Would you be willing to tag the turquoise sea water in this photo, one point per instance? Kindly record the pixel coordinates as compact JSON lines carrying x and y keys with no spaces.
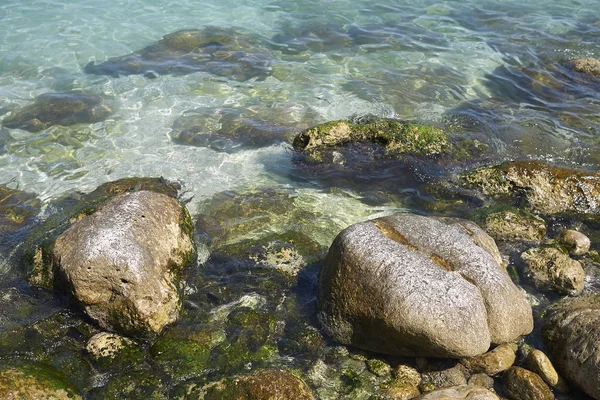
{"x":494,"y":71}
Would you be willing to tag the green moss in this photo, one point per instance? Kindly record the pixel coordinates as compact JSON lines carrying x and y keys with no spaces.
{"x":378,"y":367}
{"x":35,"y":380}
{"x":131,"y":384}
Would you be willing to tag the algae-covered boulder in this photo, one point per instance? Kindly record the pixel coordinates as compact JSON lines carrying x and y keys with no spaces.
{"x":514,"y":225}
{"x":219,"y":51}
{"x":58,"y":109}
{"x":122,"y":263}
{"x":418,"y":286}
{"x":544,"y":188}
{"x":33,"y":381}
{"x":550,"y":268}
{"x":396,"y":137}
{"x":260,"y":385}
{"x":571,"y":333}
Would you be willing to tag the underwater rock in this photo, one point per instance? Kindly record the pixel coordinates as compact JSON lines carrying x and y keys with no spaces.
{"x":122,"y":262}
{"x":550,"y":268}
{"x":493,"y":362}
{"x":395,"y":136}
{"x":459,"y":392}
{"x":571,"y":333}
{"x":521,"y":384}
{"x":17,"y":209}
{"x":544,"y":188}
{"x":229,"y":129}
{"x":417,"y":286}
{"x":576,"y":242}
{"x":514,"y":225}
{"x":260,"y":385}
{"x":590,"y":66}
{"x":33,"y":381}
{"x":219,"y":51}
{"x":58,"y":109}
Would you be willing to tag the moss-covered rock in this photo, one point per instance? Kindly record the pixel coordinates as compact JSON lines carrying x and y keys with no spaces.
{"x":35,"y":381}
{"x":590,"y":66}
{"x":544,"y":188}
{"x":396,"y":137}
{"x":58,"y":109}
{"x":140,"y":383}
{"x":521,"y":384}
{"x":551,"y":268}
{"x":513,"y":224}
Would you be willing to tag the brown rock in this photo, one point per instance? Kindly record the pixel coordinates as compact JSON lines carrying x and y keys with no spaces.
{"x":577,"y":243}
{"x":493,"y":362}
{"x":550,"y":268}
{"x":521,"y":384}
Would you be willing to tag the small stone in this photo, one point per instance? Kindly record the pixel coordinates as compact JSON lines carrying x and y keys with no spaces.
{"x":407,"y":375}
{"x":577,"y":243}
{"x":378,"y":367}
{"x":493,"y":362}
{"x":482,"y":380}
{"x":521,"y":384}
{"x":454,"y":376}
{"x":106,"y":344}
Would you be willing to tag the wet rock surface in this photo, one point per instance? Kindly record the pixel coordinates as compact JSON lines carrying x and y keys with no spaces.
{"x":58,"y":109}
{"x":576,"y":242}
{"x":571,"y":332}
{"x":219,"y":51}
{"x":590,"y":66}
{"x":369,"y":295}
{"x":550,"y":268}
{"x":493,"y":362}
{"x":514,"y":225}
{"x":459,"y":392}
{"x":121,"y":263}
{"x":543,"y":188}
{"x":521,"y":384}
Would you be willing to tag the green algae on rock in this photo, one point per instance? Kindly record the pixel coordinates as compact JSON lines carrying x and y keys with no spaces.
{"x":58,"y":109}
{"x":513,"y":224}
{"x":522,"y":384}
{"x":396,"y":137}
{"x":35,"y":381}
{"x":551,"y":268}
{"x":220,"y":51}
{"x":544,"y":188}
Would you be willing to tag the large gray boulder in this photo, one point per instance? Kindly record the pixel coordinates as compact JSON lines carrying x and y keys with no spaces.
{"x":571,"y":333}
{"x":418,"y":286}
{"x":121,"y":263}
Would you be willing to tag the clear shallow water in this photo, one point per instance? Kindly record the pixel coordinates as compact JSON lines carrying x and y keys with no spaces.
{"x":494,"y":70}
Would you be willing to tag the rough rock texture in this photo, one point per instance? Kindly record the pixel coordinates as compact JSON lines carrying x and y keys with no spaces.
{"x":393,"y":135}
{"x":261,"y":385}
{"x":405,"y":384}
{"x":521,"y":384}
{"x":121,"y":263}
{"x":493,"y":362}
{"x":35,"y":382}
{"x":550,"y":268}
{"x":577,"y":243}
{"x":219,"y":51}
{"x":545,"y":188}
{"x":413,"y":285}
{"x":106,"y":344}
{"x":459,"y":392}
{"x":58,"y":109}
{"x":571,"y":333}
{"x":454,"y":376}
{"x":589,"y":66}
{"x":514,"y":225}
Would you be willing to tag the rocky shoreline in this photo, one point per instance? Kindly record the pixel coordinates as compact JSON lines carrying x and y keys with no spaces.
{"x":419,"y":304}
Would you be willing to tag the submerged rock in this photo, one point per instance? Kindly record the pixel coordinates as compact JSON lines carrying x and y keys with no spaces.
{"x":590,"y":66}
{"x":514,"y":225}
{"x":122,"y":262}
{"x":222,"y":52}
{"x":396,"y":137}
{"x":260,"y":385}
{"x":32,"y":381}
{"x":571,"y":333}
{"x":17,"y":209}
{"x":545,"y":189}
{"x":417,"y":286}
{"x":230,"y":129}
{"x":550,"y":268}
{"x":58,"y":109}
{"x":105,"y":344}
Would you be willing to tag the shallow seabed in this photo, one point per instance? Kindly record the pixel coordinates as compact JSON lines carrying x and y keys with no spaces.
{"x":492,"y":71}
